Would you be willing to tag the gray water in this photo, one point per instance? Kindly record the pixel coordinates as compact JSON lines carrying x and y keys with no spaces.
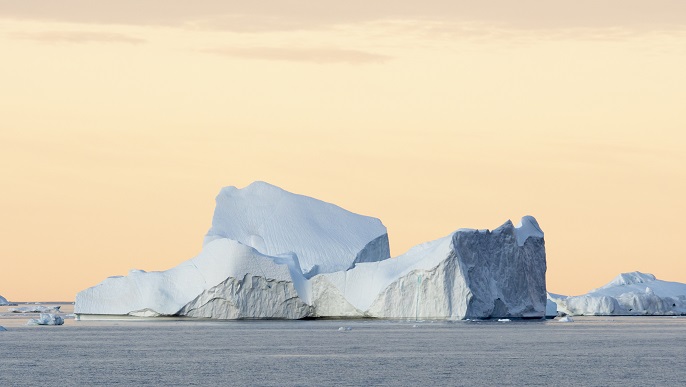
{"x":592,"y":351}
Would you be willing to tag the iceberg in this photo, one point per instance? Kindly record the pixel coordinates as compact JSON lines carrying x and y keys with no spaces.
{"x":271,"y":254}
{"x":628,"y":294}
{"x":4,"y":302}
{"x":46,"y":319}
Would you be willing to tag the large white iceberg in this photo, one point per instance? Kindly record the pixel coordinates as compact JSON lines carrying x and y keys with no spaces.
{"x":3,"y":301}
{"x":632,"y":293}
{"x":251,"y":266}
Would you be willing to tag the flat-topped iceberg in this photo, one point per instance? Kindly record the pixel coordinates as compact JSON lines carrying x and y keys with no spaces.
{"x":632,"y":293}
{"x":274,"y":254}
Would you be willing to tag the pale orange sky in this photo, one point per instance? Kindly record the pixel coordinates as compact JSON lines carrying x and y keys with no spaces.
{"x":120,"y":122}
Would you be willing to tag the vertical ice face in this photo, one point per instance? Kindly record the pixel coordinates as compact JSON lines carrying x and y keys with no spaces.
{"x":325,"y":237}
{"x":504,"y":271}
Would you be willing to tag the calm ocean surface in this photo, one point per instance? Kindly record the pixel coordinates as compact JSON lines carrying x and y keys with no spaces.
{"x":592,"y":351}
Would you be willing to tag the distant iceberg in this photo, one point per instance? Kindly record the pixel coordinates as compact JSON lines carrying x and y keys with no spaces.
{"x":274,"y":254}
{"x":627,"y":294}
{"x":46,"y":319}
{"x":4,"y":302}
{"x":35,"y":309}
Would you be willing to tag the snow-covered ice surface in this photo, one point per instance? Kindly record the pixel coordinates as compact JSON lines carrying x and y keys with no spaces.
{"x":592,"y":351}
{"x":167,"y":292}
{"x":271,"y":254}
{"x":325,"y":237}
{"x":632,"y":293}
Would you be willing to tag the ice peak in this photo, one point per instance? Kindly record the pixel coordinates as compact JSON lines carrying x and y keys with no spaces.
{"x":324,"y":237}
{"x":635,"y":277}
{"x":527,"y":227}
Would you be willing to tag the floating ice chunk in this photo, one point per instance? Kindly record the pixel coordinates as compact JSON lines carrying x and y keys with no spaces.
{"x":550,"y":308}
{"x":35,"y":309}
{"x":344,"y":329}
{"x":2,"y":329}
{"x":504,"y":320}
{"x":566,"y":319}
{"x":46,"y":319}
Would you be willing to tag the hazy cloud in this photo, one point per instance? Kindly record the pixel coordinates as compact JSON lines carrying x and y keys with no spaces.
{"x":306,"y":14}
{"x":76,"y":37}
{"x":312,"y":55}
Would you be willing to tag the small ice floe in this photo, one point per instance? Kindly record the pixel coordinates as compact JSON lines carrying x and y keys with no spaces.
{"x":344,"y":329}
{"x":2,"y":329}
{"x":415,"y":326}
{"x":504,"y":320}
{"x":46,"y":319}
{"x":566,"y":319}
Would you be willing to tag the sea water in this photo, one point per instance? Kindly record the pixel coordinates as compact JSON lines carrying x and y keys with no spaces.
{"x":591,"y":351}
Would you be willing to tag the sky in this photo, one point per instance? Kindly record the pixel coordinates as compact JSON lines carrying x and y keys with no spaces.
{"x":120,"y":122}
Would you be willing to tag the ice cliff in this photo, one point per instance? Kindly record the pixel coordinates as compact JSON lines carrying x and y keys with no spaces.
{"x":467,"y":274}
{"x":274,"y":254}
{"x":632,"y":293}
